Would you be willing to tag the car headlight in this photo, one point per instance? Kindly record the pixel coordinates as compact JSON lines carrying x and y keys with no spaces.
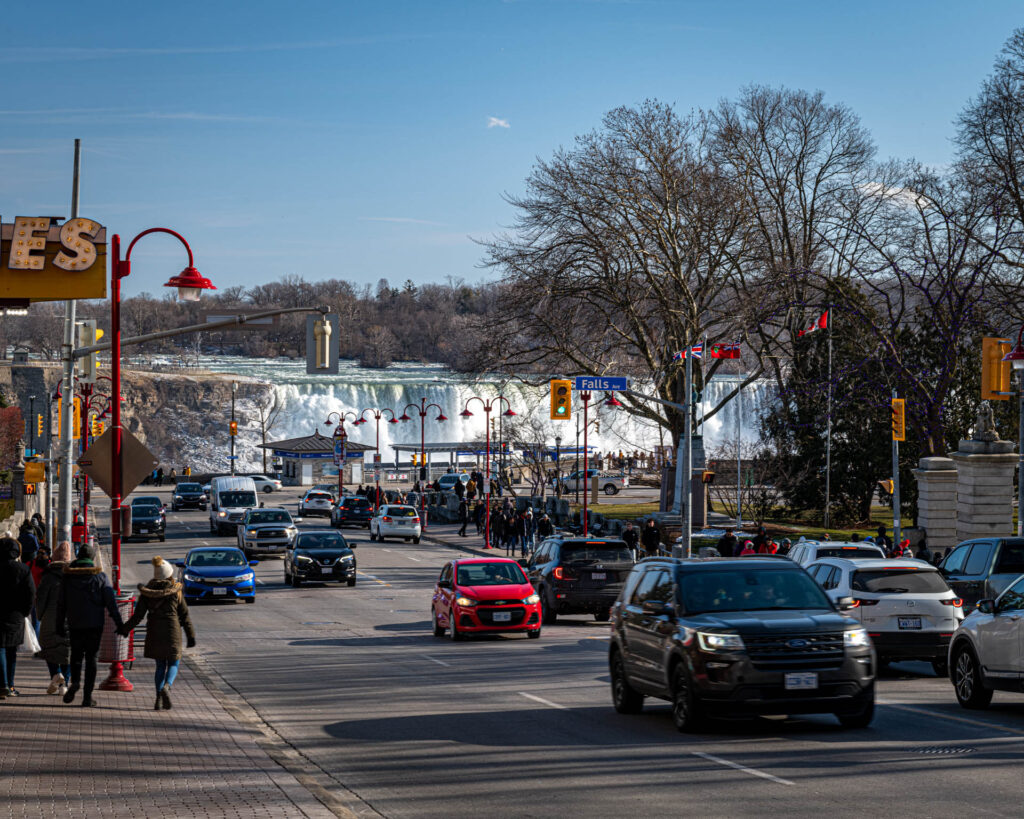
{"x":856,"y":637}
{"x":710,"y":641}
{"x":348,"y":558}
{"x":303,"y":559}
{"x":177,"y":497}
{"x":250,"y":532}
{"x":222,"y":514}
{"x":533,"y":598}
{"x":244,"y":577}
{"x":192,"y":578}
{"x":465,"y":601}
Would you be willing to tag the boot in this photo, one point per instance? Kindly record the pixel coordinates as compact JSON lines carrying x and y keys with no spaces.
{"x":165,"y":697}
{"x":88,"y":701}
{"x":56,"y":681}
{"x":156,"y":705}
{"x":69,"y":695}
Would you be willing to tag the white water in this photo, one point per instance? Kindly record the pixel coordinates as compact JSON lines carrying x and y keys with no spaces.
{"x":307,"y":400}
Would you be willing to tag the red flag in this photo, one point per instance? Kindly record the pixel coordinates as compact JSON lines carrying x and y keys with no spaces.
{"x":725,"y":350}
{"x":820,"y":324}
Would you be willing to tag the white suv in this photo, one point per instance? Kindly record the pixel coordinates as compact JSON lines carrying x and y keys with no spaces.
{"x":905,"y":604}
{"x":396,"y":520}
{"x":805,"y":552}
{"x":985,"y":654}
{"x":265,"y":484}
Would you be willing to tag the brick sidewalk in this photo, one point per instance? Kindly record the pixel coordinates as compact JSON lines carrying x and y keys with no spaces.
{"x":122,"y":758}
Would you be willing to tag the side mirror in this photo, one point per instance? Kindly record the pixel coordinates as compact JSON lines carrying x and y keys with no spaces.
{"x":444,"y":584}
{"x":254,"y":563}
{"x":523,"y":561}
{"x":352,"y":545}
{"x":180,"y":564}
{"x":846,"y":604}
{"x":296,"y":520}
{"x":987,"y":606}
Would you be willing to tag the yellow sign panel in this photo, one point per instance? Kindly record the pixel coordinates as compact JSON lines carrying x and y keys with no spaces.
{"x":899,"y":420}
{"x":44,"y":260}
{"x":35,"y":472}
{"x":995,"y":373}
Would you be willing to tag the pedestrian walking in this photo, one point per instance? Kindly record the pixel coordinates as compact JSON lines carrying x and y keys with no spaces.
{"x":882,"y":540}
{"x":29,"y":542}
{"x":174,"y":476}
{"x":748,"y":549}
{"x":651,"y":538}
{"x":728,"y":544}
{"x":761,"y":540}
{"x":531,"y":531}
{"x":460,"y":489}
{"x":478,"y":517}
{"x":631,"y":537}
{"x":85,"y":594}
{"x":463,"y":516}
{"x":17,"y":592}
{"x":520,"y":534}
{"x":471,"y":489}
{"x":923,"y":552}
{"x":54,"y":648}
{"x":163,"y":606}
{"x":160,"y":476}
{"x":545,"y":528}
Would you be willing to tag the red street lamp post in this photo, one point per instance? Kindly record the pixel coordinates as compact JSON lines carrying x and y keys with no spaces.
{"x":1016,"y":359}
{"x":339,"y":432}
{"x":611,"y":402}
{"x":488,"y":405}
{"x":422,"y":408}
{"x":377,"y":414}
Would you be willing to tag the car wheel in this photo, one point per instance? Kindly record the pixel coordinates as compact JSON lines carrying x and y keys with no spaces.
{"x":548,"y":615}
{"x":267,"y":489}
{"x":453,"y":629}
{"x":351,"y":582}
{"x":685,"y":706}
{"x":625,"y":698}
{"x":534,"y":635}
{"x":163,"y":538}
{"x":415,"y":540}
{"x":287,"y":578}
{"x":250,"y":599}
{"x":970,"y":691}
{"x":611,"y":489}
{"x":373,"y":536}
{"x":296,"y":581}
{"x":863,"y":717}
{"x":941,"y":667}
{"x":438,"y":628}
{"x":602,"y":616}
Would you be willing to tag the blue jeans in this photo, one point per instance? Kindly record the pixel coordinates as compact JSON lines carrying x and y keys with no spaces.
{"x":63,"y":670}
{"x":166,"y":672}
{"x":8,"y":660}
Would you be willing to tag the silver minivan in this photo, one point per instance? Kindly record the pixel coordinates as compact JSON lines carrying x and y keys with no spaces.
{"x":230,"y":498}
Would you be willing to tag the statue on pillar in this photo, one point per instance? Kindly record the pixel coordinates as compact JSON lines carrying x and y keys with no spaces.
{"x":985,"y":423}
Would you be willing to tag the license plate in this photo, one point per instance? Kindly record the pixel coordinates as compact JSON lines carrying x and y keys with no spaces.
{"x":909,"y":622}
{"x":143,"y":531}
{"x":801,"y":681}
{"x":326,"y":570}
{"x":598,"y":576}
{"x":502,"y":616}
{"x":219,"y":592}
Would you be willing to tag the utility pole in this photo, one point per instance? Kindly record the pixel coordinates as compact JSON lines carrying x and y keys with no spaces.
{"x":234,"y":389}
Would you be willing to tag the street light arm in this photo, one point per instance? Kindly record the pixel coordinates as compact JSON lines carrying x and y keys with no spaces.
{"x":635,"y":394}
{"x":175,"y":234}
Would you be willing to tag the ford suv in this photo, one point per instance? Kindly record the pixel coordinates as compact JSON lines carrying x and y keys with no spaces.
{"x":578,"y":575}
{"x":737,"y":636}
{"x":983,"y":568}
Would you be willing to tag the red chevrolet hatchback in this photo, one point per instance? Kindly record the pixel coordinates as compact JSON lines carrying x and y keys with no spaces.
{"x":484,"y":595}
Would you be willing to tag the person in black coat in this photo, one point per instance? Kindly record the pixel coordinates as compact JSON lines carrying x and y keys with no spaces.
{"x":544,"y":527}
{"x":631,"y":537}
{"x":728,"y":544}
{"x":28,"y":541}
{"x":463,"y":516}
{"x":17,"y":593}
{"x":651,"y":538}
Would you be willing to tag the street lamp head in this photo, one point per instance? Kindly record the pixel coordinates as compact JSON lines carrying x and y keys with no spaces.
{"x":466,"y":413}
{"x":404,"y":417}
{"x":441,"y":417}
{"x":393,"y":420}
{"x":613,"y":402}
{"x":510,"y":413}
{"x":190,"y":283}
{"x":1016,"y":355}
{"x":328,"y":423}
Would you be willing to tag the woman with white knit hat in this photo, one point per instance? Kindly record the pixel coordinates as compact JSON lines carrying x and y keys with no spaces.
{"x":163,"y":605}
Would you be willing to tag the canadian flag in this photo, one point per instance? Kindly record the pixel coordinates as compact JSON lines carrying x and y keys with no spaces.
{"x":820,"y":324}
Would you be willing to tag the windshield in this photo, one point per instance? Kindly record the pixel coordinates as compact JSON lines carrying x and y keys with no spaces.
{"x":401,"y":511}
{"x":595,"y":551}
{"x":849,"y":551}
{"x":356,"y":503}
{"x":216,"y":557}
{"x":898,"y":581}
{"x":321,"y":540}
{"x":189,"y":487}
{"x":270,"y":516}
{"x":750,"y":590}
{"x":148,"y":500}
{"x":144,"y":510}
{"x":490,"y":574}
{"x":237,"y":498}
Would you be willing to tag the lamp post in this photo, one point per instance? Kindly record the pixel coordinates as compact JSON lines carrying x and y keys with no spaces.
{"x":32,"y":424}
{"x":377,"y":414}
{"x":339,"y":432}
{"x":488,"y":405}
{"x":422,"y":408}
{"x":233,"y":429}
{"x":1016,"y":359}
{"x":558,"y":466}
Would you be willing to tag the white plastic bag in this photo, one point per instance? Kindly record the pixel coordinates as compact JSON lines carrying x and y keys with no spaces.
{"x":29,"y":643}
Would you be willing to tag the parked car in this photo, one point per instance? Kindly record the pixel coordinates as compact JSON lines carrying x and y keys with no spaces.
{"x":150,"y":500}
{"x":396,"y":520}
{"x":737,"y":636}
{"x":578,"y":575}
{"x":607,"y":482}
{"x":985,"y":654}
{"x":230,"y":497}
{"x":905,"y":604}
{"x":449,"y":479}
{"x":266,"y":531}
{"x":318,"y":556}
{"x":316,"y":502}
{"x":188,"y":496}
{"x":484,"y":595}
{"x":351,"y":511}
{"x":983,"y":568}
{"x":265,"y":484}
{"x":330,"y":488}
{"x":148,"y":521}
{"x":805,"y":552}
{"x":214,"y":572}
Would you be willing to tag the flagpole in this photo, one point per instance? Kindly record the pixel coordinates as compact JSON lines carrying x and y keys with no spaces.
{"x":828,"y":421}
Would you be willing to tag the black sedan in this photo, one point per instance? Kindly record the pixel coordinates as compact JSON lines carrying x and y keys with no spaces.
{"x":319,"y":556}
{"x":352,"y":511}
{"x":148,"y":521}
{"x":188,"y":496}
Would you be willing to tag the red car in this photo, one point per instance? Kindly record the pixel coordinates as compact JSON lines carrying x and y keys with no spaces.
{"x":484,"y":595}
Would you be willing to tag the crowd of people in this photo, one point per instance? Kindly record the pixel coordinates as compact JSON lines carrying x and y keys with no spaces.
{"x":729,"y":545}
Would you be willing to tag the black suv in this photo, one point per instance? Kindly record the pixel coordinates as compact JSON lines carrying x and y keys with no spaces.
{"x":576,"y":575}
{"x":188,"y":496}
{"x":148,"y":521}
{"x":737,"y":637}
{"x":351,"y":511}
{"x":983,"y":568}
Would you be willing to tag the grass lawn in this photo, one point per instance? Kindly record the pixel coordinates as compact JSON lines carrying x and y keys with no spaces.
{"x":622,"y":511}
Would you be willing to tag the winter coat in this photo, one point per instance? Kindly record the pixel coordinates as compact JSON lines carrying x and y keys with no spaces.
{"x":29,"y":544}
{"x":728,"y":545}
{"x":84,"y":593}
{"x":463,"y":512}
{"x":651,"y":538}
{"x":16,"y":594}
{"x":471,"y":489}
{"x":631,"y":537}
{"x":544,"y":528}
{"x":53,"y":647}
{"x":460,"y":489}
{"x":162,"y":603}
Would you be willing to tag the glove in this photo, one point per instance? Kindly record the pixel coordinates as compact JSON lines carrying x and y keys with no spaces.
{"x":191,"y":642}
{"x":124,"y":631}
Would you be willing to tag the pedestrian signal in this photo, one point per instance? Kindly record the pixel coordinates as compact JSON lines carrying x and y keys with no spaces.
{"x":707,"y":476}
{"x":995,"y":373}
{"x":887,"y":486}
{"x":234,"y":428}
{"x":561,"y":399}
{"x":899,"y":420}
{"x":76,"y":418}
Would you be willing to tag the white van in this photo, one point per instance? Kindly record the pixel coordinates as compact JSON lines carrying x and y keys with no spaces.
{"x":230,"y":497}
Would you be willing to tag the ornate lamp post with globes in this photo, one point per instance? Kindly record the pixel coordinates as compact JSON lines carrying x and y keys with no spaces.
{"x":422,"y":408}
{"x":488,"y":405}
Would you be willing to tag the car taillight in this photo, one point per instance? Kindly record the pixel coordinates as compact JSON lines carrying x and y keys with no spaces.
{"x":956,"y":602}
{"x":386,"y":519}
{"x":415,"y":520}
{"x":561,"y":573}
{"x":861,"y":602}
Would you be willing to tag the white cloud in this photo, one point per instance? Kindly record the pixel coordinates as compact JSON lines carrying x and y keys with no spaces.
{"x":494,"y":122}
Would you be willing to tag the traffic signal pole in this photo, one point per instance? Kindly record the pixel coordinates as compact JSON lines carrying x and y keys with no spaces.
{"x":586,"y":521}
{"x":897,"y":535}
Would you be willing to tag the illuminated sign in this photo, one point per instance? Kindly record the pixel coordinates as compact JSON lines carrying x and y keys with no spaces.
{"x":44,"y":260}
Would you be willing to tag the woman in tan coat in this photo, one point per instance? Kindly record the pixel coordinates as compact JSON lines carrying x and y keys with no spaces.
{"x":162,"y":604}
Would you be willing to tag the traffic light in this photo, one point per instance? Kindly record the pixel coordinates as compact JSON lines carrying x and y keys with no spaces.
{"x":39,"y":425}
{"x":995,"y":373}
{"x":97,"y":427}
{"x":76,"y":420}
{"x":234,"y":428}
{"x":414,"y":459}
{"x":88,"y":335}
{"x":561,"y":399}
{"x":899,"y":420}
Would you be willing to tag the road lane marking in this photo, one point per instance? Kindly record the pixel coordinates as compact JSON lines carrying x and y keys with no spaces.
{"x":371,"y":577}
{"x":439,"y":662}
{"x":966,"y":720}
{"x":744,"y":768}
{"x":413,"y":558}
{"x":543,"y":701}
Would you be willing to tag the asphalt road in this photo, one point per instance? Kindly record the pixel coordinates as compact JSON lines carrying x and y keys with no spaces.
{"x":416,"y":726}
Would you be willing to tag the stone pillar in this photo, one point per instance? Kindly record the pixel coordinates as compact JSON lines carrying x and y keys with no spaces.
{"x":936,"y":501}
{"x":985,"y":466}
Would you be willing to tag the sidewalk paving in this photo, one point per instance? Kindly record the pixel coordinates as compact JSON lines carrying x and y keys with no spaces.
{"x":122,"y":758}
{"x":447,"y":534}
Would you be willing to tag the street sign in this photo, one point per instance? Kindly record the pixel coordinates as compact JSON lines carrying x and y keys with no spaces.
{"x":376,"y":457}
{"x":41,"y":260}
{"x":136,"y":462}
{"x":606,"y":383}
{"x":339,"y":450}
{"x":899,"y":423}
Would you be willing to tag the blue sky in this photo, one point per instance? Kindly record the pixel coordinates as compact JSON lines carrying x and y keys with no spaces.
{"x":351,"y":139}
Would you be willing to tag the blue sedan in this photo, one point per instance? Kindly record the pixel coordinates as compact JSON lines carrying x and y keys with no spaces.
{"x":218,"y":572}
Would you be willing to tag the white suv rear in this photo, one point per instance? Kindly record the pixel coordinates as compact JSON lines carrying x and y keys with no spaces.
{"x":905,"y":604}
{"x":396,"y":520}
{"x":805,"y":552}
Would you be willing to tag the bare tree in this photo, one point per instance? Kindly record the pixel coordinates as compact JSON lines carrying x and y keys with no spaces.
{"x":268,"y":411}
